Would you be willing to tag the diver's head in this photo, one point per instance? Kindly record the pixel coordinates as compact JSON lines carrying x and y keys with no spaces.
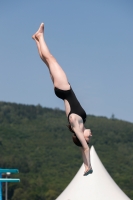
{"x":87,"y":135}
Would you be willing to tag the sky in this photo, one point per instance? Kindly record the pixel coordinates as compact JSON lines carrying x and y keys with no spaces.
{"x":91,"y":40}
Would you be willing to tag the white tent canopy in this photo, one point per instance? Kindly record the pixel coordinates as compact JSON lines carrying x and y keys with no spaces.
{"x":96,"y":186}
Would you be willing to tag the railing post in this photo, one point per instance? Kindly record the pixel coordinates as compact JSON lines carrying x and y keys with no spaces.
{"x":0,"y":188}
{"x":6,"y":189}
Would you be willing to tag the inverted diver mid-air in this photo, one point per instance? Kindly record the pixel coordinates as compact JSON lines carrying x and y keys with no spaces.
{"x":74,"y":112}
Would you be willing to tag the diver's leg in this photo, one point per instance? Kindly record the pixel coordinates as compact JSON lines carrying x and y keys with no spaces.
{"x":38,"y":46}
{"x":40,"y":53}
{"x":59,"y":76}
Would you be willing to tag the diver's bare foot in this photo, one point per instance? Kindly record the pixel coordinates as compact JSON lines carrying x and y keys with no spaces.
{"x":33,"y":37}
{"x":39,"y":32}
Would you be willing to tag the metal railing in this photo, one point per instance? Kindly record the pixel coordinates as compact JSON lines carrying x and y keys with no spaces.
{"x":6,"y":173}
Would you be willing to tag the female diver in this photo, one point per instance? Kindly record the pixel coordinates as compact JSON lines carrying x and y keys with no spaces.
{"x":75,"y":113}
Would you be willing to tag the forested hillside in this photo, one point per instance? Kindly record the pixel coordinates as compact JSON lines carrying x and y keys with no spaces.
{"x":36,"y":141}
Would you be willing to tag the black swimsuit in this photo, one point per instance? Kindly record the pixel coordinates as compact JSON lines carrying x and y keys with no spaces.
{"x":73,"y":102}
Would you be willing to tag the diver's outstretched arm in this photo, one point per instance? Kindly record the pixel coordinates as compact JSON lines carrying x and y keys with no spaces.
{"x":85,"y":149}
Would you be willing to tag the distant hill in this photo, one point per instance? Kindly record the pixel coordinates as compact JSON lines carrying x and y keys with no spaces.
{"x":36,"y":141}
